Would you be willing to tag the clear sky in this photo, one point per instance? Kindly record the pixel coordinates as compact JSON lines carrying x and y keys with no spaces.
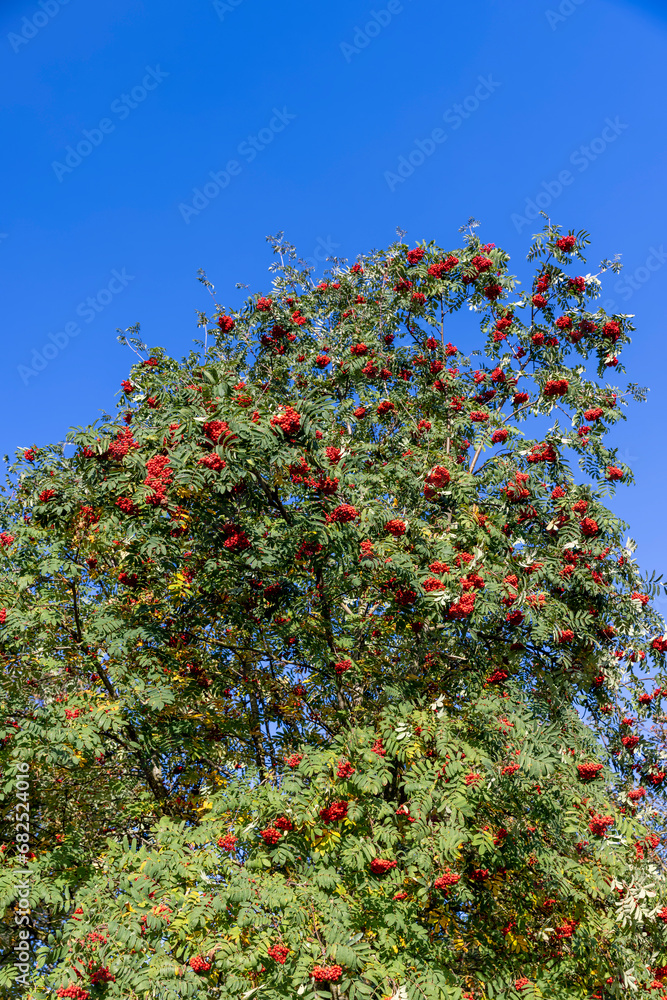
{"x":144,"y":139}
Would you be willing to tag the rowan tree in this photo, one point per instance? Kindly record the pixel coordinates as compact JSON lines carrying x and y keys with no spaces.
{"x":334,"y":672}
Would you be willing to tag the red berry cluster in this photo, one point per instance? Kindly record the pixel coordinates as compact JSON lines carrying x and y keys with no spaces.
{"x":566,"y":929}
{"x":438,"y":477}
{"x":587,"y":772}
{"x":542,"y":453}
{"x":566,"y":243}
{"x":611,"y":330}
{"x":279,"y":953}
{"x":447,"y":879}
{"x":236,"y":539}
{"x":95,"y":938}
{"x":345,"y":512}
{"x":213,"y":462}
{"x":463,"y":607}
{"x":345,"y":769}
{"x":216,"y":429}
{"x":127,"y":506}
{"x":334,"y":813}
{"x":416,"y":255}
{"x":396,"y":527}
{"x":598,"y":824}
{"x":308,"y":549}
{"x":119,"y":448}
{"x":380,"y":866}
{"x":441,"y":267}
{"x":101,"y":974}
{"x":158,"y":478}
{"x":481,"y":263}
{"x":438,"y":567}
{"x":327,"y":973}
{"x":270,"y":835}
{"x":289,"y":421}
{"x":556,"y":387}
{"x":589,"y":527}
{"x":199,"y":964}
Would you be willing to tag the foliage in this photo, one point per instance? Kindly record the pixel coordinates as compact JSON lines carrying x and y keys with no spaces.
{"x":331,"y":678}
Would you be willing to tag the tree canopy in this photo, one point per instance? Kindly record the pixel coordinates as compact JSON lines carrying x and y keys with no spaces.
{"x":334,"y":673}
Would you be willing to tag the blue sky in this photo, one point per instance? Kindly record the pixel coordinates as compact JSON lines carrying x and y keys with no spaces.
{"x":297,"y":117}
